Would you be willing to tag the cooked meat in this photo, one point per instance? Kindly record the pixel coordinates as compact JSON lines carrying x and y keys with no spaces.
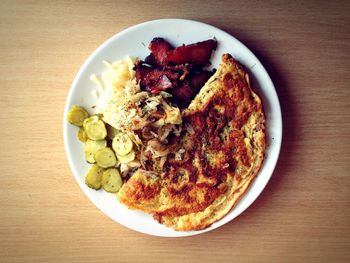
{"x":164,"y":54}
{"x":198,"y":53}
{"x":179,"y":70}
{"x":183,"y":94}
{"x":155,"y":80}
{"x":187,"y":90}
{"x":159,"y":48}
{"x":198,"y":79}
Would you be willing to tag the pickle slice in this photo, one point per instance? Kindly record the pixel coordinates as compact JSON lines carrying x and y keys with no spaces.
{"x":105,"y":157}
{"x":126,"y":158}
{"x":77,"y":115}
{"x":82,"y":135}
{"x":122,"y":144}
{"x":111,"y":180}
{"x":95,"y":128}
{"x":91,"y":147}
{"x":94,"y":177}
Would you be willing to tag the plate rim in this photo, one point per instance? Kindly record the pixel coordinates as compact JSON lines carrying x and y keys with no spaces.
{"x":277,"y":141}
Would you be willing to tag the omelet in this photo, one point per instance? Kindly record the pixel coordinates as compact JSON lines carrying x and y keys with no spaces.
{"x":222,"y":148}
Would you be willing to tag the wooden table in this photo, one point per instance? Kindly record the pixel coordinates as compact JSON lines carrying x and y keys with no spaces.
{"x":302,"y":216}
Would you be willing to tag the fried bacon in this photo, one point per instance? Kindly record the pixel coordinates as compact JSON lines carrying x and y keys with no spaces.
{"x":159,"y":48}
{"x":187,"y":90}
{"x":164,"y":54}
{"x":155,"y":80}
{"x":199,"y":78}
{"x":182,"y":94}
{"x":198,"y":53}
{"x":176,"y":70}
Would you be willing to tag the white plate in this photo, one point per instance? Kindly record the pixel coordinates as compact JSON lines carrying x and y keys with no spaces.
{"x":133,"y":41}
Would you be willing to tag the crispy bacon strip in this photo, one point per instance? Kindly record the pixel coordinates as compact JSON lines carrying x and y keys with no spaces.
{"x":164,"y":54}
{"x":187,"y":90}
{"x":159,"y":48}
{"x":198,"y":53}
{"x":155,"y":79}
{"x":182,"y":94}
{"x":177,"y":70}
{"x":199,"y":78}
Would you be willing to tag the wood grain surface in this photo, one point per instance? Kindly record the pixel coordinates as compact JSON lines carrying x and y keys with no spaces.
{"x":302,"y":216}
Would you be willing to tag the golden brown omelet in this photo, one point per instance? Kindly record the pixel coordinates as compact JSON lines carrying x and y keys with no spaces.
{"x":224,"y":146}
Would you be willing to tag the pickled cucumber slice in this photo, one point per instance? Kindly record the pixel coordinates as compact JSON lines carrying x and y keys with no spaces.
{"x":91,"y":147}
{"x":95,"y":128}
{"x":82,"y":135}
{"x":105,"y":157}
{"x":122,"y":144}
{"x":111,"y":180}
{"x":91,"y":118}
{"x":94,"y":177}
{"x":126,"y":158}
{"x":77,"y":115}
